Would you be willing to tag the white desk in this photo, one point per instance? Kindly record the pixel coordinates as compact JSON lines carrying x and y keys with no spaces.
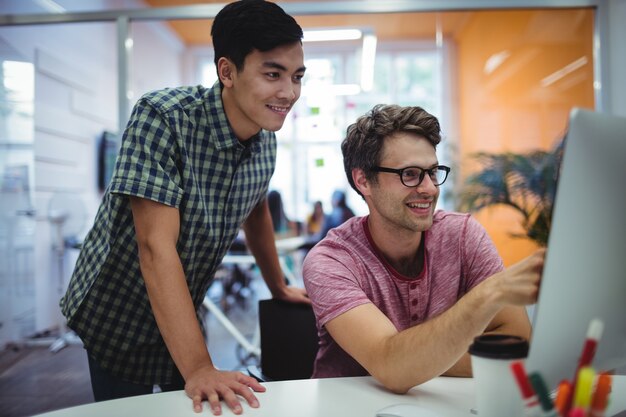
{"x":287,"y":245}
{"x":284,"y":247}
{"x":335,"y":397}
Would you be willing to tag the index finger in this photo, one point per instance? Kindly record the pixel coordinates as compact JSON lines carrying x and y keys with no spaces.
{"x":248,"y":396}
{"x":251,"y":383}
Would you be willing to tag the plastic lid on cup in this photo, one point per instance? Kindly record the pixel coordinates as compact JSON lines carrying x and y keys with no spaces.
{"x":499,"y":346}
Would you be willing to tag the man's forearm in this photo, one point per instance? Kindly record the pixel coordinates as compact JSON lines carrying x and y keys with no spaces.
{"x":462,"y":368}
{"x":444,"y":340}
{"x":510,"y":320}
{"x":174,"y":310}
{"x":400,"y":360}
{"x":436,"y":346}
{"x":260,"y":240}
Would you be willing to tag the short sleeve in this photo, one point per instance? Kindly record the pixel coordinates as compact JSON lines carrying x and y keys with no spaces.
{"x":330,"y":279}
{"x":146,"y":165}
{"x":480,"y":256}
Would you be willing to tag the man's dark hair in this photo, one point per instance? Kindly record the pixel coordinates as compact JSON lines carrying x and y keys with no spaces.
{"x":363,"y":144}
{"x":245,"y":25}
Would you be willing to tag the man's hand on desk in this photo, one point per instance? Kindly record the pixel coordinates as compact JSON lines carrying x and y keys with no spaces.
{"x":293,"y":295}
{"x":214,"y":385}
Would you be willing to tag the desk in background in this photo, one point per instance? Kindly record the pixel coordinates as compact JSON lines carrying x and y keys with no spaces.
{"x":285,"y":247}
{"x":332,"y":397}
{"x":251,"y":348}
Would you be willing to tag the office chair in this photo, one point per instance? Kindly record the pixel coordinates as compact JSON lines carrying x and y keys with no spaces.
{"x":288,"y":341}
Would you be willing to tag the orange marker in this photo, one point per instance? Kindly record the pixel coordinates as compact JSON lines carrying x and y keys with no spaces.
{"x":600,"y":397}
{"x":562,"y":395}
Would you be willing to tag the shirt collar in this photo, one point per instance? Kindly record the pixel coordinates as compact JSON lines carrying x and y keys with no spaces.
{"x":222,"y":134}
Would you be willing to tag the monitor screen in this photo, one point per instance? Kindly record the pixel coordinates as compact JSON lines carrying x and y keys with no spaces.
{"x":107,"y":154}
{"x":584,"y":277}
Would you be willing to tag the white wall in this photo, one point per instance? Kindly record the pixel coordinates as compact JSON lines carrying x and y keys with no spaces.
{"x":75,"y":100}
{"x":155,"y":48}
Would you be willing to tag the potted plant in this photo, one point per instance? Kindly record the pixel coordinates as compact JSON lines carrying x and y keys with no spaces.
{"x":525,"y":182}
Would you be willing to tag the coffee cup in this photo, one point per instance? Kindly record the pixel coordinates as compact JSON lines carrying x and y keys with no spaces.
{"x":497,"y":394}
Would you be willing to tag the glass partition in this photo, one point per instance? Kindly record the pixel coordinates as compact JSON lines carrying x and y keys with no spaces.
{"x":17,"y":226}
{"x":57,"y":101}
{"x":518,"y":75}
{"x":498,"y":80}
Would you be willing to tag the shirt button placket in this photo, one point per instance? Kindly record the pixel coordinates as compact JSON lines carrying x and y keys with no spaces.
{"x":413,"y":298}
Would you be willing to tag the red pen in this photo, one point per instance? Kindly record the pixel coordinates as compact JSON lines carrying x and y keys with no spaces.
{"x":600,"y":397}
{"x":531,"y":402}
{"x":594,"y":333}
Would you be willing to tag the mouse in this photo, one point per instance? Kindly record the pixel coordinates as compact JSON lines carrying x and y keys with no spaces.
{"x":406,"y":410}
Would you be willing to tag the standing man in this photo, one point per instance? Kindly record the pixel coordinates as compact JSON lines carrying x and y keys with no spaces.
{"x":193,"y":168}
{"x":401,"y":293}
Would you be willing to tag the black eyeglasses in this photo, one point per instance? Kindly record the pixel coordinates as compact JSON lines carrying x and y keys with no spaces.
{"x":413,"y":176}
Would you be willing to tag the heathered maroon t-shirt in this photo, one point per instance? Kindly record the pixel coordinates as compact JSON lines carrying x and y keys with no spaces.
{"x":346,"y":270}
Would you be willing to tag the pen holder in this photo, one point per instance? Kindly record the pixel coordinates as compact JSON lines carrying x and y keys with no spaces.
{"x":497,"y":394}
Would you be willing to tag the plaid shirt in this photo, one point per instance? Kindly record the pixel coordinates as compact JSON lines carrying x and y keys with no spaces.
{"x":178,"y":149}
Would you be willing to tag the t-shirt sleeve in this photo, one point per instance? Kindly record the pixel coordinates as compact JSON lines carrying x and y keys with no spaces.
{"x":330,"y":278}
{"x":146,"y":165}
{"x":480,"y":256}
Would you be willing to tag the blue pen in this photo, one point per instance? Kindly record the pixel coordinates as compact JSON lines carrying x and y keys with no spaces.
{"x":544,"y":396}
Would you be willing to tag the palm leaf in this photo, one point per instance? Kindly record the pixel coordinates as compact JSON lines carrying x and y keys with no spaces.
{"x":524,"y":182}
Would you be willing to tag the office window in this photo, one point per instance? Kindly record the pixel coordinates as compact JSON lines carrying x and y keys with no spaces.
{"x":208,"y":73}
{"x":310,"y":164}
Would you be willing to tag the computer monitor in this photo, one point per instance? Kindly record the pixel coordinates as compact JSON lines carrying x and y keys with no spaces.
{"x":584,"y":276}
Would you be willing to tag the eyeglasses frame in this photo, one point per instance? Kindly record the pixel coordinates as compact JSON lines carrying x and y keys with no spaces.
{"x":423,"y":171}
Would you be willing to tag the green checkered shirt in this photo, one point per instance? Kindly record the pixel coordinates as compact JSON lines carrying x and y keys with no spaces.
{"x":178,"y":149}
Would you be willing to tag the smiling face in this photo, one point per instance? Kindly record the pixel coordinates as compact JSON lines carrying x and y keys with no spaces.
{"x":260,"y":95}
{"x":393,"y":206}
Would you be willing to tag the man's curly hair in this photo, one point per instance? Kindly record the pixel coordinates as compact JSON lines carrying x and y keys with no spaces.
{"x":363,"y":144}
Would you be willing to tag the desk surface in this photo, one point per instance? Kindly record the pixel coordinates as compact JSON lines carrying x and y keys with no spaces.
{"x":290,"y":244}
{"x":333,"y":397}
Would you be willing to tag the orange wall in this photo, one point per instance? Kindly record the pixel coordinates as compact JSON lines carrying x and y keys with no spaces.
{"x":509,"y":109}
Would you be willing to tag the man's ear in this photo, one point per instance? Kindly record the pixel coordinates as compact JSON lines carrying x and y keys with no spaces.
{"x":361,"y":182}
{"x":225,"y":70}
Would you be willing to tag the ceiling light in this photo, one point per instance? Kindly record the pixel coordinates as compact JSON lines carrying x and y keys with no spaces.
{"x":557,"y":75}
{"x":494,"y":61}
{"x":368,"y":58}
{"x":50,"y":6}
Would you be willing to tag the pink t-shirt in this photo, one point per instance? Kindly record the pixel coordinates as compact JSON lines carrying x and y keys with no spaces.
{"x":346,"y":270}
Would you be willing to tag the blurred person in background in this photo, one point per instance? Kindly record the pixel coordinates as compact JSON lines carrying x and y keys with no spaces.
{"x":315,"y":220}
{"x":283,"y":227}
{"x":339,"y":213}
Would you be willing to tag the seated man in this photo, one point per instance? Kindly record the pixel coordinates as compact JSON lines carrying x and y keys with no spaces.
{"x":401,"y":293}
